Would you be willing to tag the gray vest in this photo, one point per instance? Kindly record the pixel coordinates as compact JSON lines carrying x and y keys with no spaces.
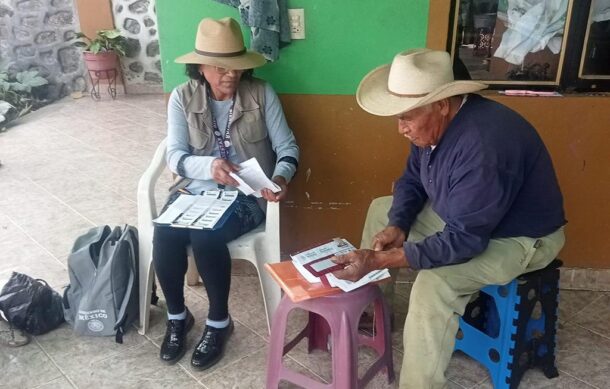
{"x":248,"y":128}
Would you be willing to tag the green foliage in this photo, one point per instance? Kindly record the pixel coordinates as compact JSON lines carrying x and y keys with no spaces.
{"x":16,"y":92}
{"x":104,"y":40}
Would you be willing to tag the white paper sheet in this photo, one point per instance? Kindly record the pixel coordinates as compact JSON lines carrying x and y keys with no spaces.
{"x":337,"y":246}
{"x":198,"y":211}
{"x":252,"y":179}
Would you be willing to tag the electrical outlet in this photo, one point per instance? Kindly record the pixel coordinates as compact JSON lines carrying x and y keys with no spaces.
{"x":296,"y":16}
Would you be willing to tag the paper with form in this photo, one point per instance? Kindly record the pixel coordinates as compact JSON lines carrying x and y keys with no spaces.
{"x":204,"y":211}
{"x":252,"y":179}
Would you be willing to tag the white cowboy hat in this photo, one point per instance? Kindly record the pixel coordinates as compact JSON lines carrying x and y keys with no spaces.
{"x":415,"y":78}
{"x":220,"y":43}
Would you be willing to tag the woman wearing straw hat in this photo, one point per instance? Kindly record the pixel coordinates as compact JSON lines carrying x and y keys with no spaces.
{"x":478,"y":203}
{"x":221,"y":117}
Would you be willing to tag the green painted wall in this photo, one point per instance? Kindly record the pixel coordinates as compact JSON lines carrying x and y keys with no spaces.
{"x":344,"y":40}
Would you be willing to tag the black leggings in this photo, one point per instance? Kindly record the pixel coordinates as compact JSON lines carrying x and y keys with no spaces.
{"x":211,"y":256}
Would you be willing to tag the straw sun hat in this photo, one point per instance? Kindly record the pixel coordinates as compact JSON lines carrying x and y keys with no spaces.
{"x":220,"y":43}
{"x":415,"y":78}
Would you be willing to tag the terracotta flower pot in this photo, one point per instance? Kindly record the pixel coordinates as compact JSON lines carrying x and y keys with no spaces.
{"x":101,"y":65}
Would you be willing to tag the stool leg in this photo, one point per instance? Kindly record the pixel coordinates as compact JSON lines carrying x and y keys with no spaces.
{"x":276,"y":343}
{"x":384,"y":338}
{"x":344,"y":353}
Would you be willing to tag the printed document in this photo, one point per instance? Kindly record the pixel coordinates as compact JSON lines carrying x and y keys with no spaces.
{"x":316,"y":265}
{"x":252,"y":179}
{"x":206,"y":211}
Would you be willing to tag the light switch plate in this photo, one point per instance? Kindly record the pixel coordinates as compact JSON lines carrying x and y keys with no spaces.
{"x":296,"y":17}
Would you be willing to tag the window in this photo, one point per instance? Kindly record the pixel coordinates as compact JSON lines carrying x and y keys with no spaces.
{"x":537,"y":44}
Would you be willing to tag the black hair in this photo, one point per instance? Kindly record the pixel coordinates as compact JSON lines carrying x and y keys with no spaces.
{"x":192,"y":71}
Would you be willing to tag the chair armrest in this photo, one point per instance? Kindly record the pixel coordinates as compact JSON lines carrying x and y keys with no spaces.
{"x":147,"y":207}
{"x":272,"y":231}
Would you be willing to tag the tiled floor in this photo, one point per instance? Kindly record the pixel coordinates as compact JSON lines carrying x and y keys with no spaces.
{"x":75,"y":164}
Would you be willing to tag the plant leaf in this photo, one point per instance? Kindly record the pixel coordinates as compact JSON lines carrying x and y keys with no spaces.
{"x":4,"y":107}
{"x":30,"y":79}
{"x":95,"y":47}
{"x":110,"y":34}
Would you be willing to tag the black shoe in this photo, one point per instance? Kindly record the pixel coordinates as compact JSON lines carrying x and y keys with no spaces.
{"x":174,"y":343}
{"x":211,"y":347}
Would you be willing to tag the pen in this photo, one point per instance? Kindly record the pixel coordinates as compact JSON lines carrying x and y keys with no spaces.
{"x":185,"y":191}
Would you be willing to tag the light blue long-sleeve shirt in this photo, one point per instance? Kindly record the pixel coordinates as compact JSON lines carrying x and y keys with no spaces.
{"x":199,"y":168}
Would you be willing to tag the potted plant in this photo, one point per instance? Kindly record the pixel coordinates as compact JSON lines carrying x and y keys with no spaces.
{"x":102,"y":51}
{"x":101,"y":58}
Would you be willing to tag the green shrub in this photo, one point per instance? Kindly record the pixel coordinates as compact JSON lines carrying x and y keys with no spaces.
{"x":16,"y":97}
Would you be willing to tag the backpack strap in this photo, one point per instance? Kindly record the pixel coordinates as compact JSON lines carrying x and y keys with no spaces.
{"x":122,"y":316}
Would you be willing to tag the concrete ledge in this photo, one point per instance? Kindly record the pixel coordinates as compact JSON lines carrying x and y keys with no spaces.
{"x":571,"y":278}
{"x":585,"y":279}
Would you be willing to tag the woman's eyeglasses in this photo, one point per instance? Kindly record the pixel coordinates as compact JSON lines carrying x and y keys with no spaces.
{"x":221,"y":70}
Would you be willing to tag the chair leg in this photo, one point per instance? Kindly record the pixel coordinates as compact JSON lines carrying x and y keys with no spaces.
{"x":192,"y":274}
{"x":272,"y":295}
{"x":146,"y":282}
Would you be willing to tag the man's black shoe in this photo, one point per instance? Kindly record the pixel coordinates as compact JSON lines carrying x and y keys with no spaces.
{"x":211,"y":347}
{"x":174,"y":343}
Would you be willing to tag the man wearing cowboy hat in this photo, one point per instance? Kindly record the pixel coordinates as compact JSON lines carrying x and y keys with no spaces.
{"x":477,"y":204}
{"x":221,"y":117}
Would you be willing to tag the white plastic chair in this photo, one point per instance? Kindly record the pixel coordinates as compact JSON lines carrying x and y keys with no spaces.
{"x":259,"y":246}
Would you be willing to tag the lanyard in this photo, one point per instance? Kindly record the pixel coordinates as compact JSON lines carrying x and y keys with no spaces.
{"x":223,"y":141}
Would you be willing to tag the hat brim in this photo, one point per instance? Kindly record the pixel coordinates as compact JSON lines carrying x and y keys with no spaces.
{"x":248,"y":60}
{"x":374,"y":97}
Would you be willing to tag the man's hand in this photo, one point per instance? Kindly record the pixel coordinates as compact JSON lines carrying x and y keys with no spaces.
{"x":389,"y":238}
{"x":220,"y":172}
{"x":279,"y":196}
{"x":356,"y":264}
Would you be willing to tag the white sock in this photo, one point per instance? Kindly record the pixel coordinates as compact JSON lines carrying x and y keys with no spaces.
{"x":218,"y":323}
{"x":179,"y":316}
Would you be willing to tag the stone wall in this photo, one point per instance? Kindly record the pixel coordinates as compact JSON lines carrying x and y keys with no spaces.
{"x":37,"y":34}
{"x":137,"y":20}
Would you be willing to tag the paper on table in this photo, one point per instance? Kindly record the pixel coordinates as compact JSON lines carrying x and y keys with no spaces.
{"x":252,"y":179}
{"x":318,"y":260}
{"x":348,"y":286}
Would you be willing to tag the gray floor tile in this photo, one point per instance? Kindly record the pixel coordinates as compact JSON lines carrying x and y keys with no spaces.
{"x":138,"y":367}
{"x":83,"y":352}
{"x":320,"y":362}
{"x":584,"y":355}
{"x":534,"y":379}
{"x":59,"y":383}
{"x":250,"y":372}
{"x":465,"y":371}
{"x":25,"y":367}
{"x":596,"y":316}
{"x":572,"y":302}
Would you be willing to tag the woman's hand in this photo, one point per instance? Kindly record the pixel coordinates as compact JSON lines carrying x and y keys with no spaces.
{"x":220,"y":172}
{"x":279,"y":196}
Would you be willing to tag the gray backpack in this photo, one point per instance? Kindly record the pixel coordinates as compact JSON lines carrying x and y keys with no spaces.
{"x":102,"y":298}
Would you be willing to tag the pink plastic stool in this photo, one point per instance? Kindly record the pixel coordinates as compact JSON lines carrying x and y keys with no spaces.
{"x":341,"y":313}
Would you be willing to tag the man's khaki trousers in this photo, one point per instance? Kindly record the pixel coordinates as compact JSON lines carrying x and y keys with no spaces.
{"x":439,"y":296}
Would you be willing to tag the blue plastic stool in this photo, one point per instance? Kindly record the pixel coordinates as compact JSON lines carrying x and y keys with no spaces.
{"x":511,"y":328}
